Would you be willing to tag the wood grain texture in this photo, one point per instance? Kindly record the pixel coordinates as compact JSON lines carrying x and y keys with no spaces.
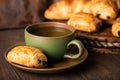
{"x":96,"y":67}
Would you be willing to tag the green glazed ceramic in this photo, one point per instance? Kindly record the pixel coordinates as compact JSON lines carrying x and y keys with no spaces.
{"x":54,"y":47}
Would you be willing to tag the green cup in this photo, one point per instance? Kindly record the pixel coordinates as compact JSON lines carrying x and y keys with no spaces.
{"x":54,"y":39}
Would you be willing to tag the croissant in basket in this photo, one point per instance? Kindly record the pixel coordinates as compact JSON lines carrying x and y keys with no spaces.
{"x":116,"y":27}
{"x":103,"y":9}
{"x":64,"y":9}
{"x":85,"y":22}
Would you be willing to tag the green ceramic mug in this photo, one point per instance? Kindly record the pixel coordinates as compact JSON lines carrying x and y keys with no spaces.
{"x":54,"y":38}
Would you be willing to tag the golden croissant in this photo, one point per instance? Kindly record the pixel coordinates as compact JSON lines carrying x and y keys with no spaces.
{"x":85,"y":22}
{"x":64,"y":9}
{"x":116,"y":27}
{"x":27,"y":56}
{"x":104,"y":9}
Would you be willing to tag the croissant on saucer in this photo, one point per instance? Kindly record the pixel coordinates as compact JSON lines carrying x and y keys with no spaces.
{"x":85,"y":22}
{"x":27,"y":56}
{"x":64,"y":9}
{"x":116,"y":28}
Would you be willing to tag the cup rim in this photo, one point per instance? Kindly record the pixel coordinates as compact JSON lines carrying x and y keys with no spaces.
{"x":52,"y":23}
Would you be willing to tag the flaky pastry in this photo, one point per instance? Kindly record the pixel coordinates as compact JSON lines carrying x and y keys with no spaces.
{"x":104,"y":9}
{"x":27,"y":56}
{"x":116,"y":28}
{"x":85,"y":22}
{"x":64,"y":9}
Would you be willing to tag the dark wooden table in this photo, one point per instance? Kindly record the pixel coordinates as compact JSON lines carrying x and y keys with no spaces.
{"x":96,"y":67}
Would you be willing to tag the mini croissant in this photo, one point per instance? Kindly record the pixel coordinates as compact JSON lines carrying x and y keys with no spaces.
{"x":85,"y":22}
{"x":116,"y":27}
{"x":27,"y":56}
{"x":104,"y":9}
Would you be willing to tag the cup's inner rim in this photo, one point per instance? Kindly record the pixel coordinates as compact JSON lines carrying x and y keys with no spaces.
{"x":50,"y":24}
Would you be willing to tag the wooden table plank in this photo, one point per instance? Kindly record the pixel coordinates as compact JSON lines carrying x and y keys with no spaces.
{"x":6,"y":70}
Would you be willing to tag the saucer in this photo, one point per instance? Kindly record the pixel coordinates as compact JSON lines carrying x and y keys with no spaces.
{"x":61,"y":66}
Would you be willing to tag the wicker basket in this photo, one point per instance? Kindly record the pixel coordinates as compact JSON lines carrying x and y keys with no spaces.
{"x":101,"y":42}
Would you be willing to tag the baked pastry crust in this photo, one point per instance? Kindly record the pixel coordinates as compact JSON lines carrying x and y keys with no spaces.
{"x":27,"y":56}
{"x":85,"y":22}
{"x":64,"y":9}
{"x":116,"y":28}
{"x":104,"y":9}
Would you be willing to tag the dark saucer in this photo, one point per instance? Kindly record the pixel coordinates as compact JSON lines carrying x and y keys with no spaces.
{"x":60,"y":66}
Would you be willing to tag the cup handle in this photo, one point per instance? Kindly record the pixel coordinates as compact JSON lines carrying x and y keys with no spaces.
{"x":80,"y":47}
